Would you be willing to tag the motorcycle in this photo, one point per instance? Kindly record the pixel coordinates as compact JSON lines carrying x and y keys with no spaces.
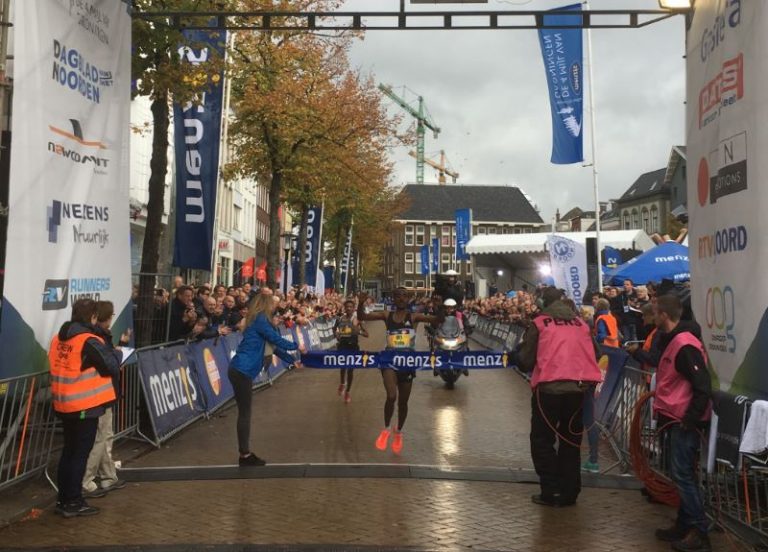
{"x":449,"y":337}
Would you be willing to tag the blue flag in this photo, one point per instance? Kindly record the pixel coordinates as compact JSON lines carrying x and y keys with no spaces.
{"x":463,"y":233}
{"x":197,"y":130}
{"x":424,"y":260}
{"x":563,"y":65}
{"x":435,"y":255}
{"x":313,"y":251}
{"x":612,"y":256}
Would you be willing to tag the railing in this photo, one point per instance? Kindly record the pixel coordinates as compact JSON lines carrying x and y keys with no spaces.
{"x":27,"y":426}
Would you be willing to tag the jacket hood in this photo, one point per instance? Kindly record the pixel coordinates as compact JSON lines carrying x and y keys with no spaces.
{"x":73,"y":329}
{"x":560,"y":310}
{"x":682,"y":326}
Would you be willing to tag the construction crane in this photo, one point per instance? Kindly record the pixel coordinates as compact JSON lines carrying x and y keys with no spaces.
{"x":441,"y":167}
{"x":423,"y":121}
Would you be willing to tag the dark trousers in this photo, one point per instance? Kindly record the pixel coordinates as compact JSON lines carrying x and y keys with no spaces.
{"x":241,"y":384}
{"x":79,"y":436}
{"x":684,"y":452}
{"x":558,"y":468}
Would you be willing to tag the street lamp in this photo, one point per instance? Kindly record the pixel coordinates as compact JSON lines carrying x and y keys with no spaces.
{"x":288,"y":240}
{"x":675,"y":4}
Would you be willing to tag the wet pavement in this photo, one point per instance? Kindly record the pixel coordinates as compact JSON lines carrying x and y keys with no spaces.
{"x":480,"y":427}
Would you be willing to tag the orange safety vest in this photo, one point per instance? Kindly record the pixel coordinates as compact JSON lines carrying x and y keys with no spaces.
{"x":647,"y":344}
{"x":613,"y":330}
{"x":73,"y":388}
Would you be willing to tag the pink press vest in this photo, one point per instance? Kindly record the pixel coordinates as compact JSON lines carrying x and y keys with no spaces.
{"x":673,"y":391}
{"x":565,"y":352}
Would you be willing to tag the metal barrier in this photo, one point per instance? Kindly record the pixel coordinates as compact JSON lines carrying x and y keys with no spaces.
{"x":27,"y":426}
{"x":127,"y":410}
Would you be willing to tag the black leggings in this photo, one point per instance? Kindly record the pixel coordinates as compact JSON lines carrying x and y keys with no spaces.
{"x":241,"y":384}
{"x":398,"y":389}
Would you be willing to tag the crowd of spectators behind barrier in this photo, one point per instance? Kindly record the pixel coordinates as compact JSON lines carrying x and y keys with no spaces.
{"x":207,"y":311}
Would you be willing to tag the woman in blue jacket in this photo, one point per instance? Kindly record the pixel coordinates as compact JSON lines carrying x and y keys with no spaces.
{"x":260,"y":341}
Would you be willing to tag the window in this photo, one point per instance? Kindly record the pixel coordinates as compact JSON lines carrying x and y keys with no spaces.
{"x":527,"y":230}
{"x":453,"y":236}
{"x":409,"y":263}
{"x":409,"y":234}
{"x":507,"y":230}
{"x":445,"y":262}
{"x":420,"y":234}
{"x":516,"y":231}
{"x":492,"y":230}
{"x":420,"y":284}
{"x":237,"y":218}
{"x":646,"y":220}
{"x":469,"y":268}
{"x":626,"y":220}
{"x":445,"y":236}
{"x":635,"y":219}
{"x":433,"y":231}
{"x":654,"y":219}
{"x":408,"y":284}
{"x":481,"y":229}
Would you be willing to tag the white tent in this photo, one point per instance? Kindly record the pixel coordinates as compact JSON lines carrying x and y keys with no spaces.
{"x":508,"y":261}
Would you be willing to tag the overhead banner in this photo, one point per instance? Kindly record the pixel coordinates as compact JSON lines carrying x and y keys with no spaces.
{"x":727,"y":122}
{"x":568,"y":260}
{"x":346,"y":261}
{"x":611,"y":257}
{"x":463,"y":233}
{"x":314,"y":244}
{"x":68,"y":221}
{"x":563,"y":64}
{"x":197,"y":132}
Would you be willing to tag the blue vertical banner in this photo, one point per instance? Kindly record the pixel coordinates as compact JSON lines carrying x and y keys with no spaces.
{"x":424,"y":260}
{"x":435,"y":255}
{"x":463,"y":233}
{"x":314,"y":243}
{"x":612,"y":257}
{"x":563,"y":63}
{"x":346,"y":260}
{"x":197,"y":132}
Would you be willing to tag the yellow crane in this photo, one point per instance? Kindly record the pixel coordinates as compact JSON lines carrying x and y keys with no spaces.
{"x":441,"y":167}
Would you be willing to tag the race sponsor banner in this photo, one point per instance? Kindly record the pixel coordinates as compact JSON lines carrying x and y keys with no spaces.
{"x":68,"y":229}
{"x":210,"y":359}
{"x":727,"y":122}
{"x":731,"y":413}
{"x":171,"y":388}
{"x":611,"y":364}
{"x":197,"y":132}
{"x":568,"y":260}
{"x":406,"y":360}
{"x":346,"y":261}
{"x":313,"y":250}
{"x":563,"y":64}
{"x":435,"y":255}
{"x":463,"y":233}
{"x":424,"y":256}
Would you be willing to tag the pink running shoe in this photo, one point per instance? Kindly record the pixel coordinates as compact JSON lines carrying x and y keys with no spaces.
{"x":383,"y":439}
{"x":397,"y":443}
{"x":341,"y":389}
{"x":347,"y":398}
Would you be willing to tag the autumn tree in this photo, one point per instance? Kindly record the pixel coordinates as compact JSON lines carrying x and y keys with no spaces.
{"x":305,"y":123}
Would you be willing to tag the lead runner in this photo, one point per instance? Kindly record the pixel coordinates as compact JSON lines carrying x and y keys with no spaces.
{"x":401,"y":336}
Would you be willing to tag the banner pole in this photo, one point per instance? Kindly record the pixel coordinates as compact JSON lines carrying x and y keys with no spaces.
{"x":598,"y":245}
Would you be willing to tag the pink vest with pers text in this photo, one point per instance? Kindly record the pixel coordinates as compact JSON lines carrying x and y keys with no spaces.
{"x":565,"y":352}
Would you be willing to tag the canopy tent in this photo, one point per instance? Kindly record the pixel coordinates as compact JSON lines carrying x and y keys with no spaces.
{"x":666,"y":261}
{"x":509,"y":261}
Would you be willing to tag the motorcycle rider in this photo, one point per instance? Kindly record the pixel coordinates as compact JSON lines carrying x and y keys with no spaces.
{"x":451,"y":288}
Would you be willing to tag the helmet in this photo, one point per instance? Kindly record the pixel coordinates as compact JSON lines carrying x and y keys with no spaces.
{"x":449,"y":303}
{"x":451,"y":273}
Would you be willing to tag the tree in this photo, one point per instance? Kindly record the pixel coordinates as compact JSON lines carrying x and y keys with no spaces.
{"x":305,"y":122}
{"x":159,"y":73}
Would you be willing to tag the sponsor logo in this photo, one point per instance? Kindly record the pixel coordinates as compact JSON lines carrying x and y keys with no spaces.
{"x":88,"y":288}
{"x":488,"y":360}
{"x":72,"y":70}
{"x":415,"y":361}
{"x":724,"y":90}
{"x":724,"y":171}
{"x":727,"y":240}
{"x":212,"y":369}
{"x":77,"y":149}
{"x":60,"y":211}
{"x":720,"y":315}
{"x":55,"y":295}
{"x":729,"y":16}
{"x":563,"y":250}
{"x":90,"y":16}
{"x":172,"y":389}
{"x":353,"y":360}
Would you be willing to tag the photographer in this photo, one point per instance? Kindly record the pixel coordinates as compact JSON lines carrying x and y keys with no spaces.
{"x":183,"y":314}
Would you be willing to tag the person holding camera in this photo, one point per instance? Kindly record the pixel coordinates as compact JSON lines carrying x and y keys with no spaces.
{"x":183,"y":314}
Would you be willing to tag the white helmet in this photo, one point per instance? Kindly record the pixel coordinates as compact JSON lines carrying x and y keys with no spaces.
{"x":451,"y":273}
{"x":449,"y":303}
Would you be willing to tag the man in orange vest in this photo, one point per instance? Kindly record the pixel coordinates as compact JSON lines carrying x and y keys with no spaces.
{"x":606,"y":330}
{"x":559,"y":350}
{"x":683,"y":406}
{"x":82,"y":367}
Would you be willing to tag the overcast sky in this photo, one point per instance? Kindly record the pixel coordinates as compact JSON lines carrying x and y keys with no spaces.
{"x":487,"y":92}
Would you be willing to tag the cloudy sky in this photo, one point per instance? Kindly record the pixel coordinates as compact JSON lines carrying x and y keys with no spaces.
{"x":487,"y":92}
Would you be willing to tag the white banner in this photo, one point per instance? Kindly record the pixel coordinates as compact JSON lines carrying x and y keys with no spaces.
{"x":727,"y":127}
{"x":568,"y":260}
{"x":68,"y":234}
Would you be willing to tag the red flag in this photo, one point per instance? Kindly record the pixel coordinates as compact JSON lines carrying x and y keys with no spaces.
{"x":248,"y":268}
{"x":261,"y":273}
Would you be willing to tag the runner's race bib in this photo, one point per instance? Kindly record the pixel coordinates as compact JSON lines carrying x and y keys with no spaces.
{"x":401,"y":339}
